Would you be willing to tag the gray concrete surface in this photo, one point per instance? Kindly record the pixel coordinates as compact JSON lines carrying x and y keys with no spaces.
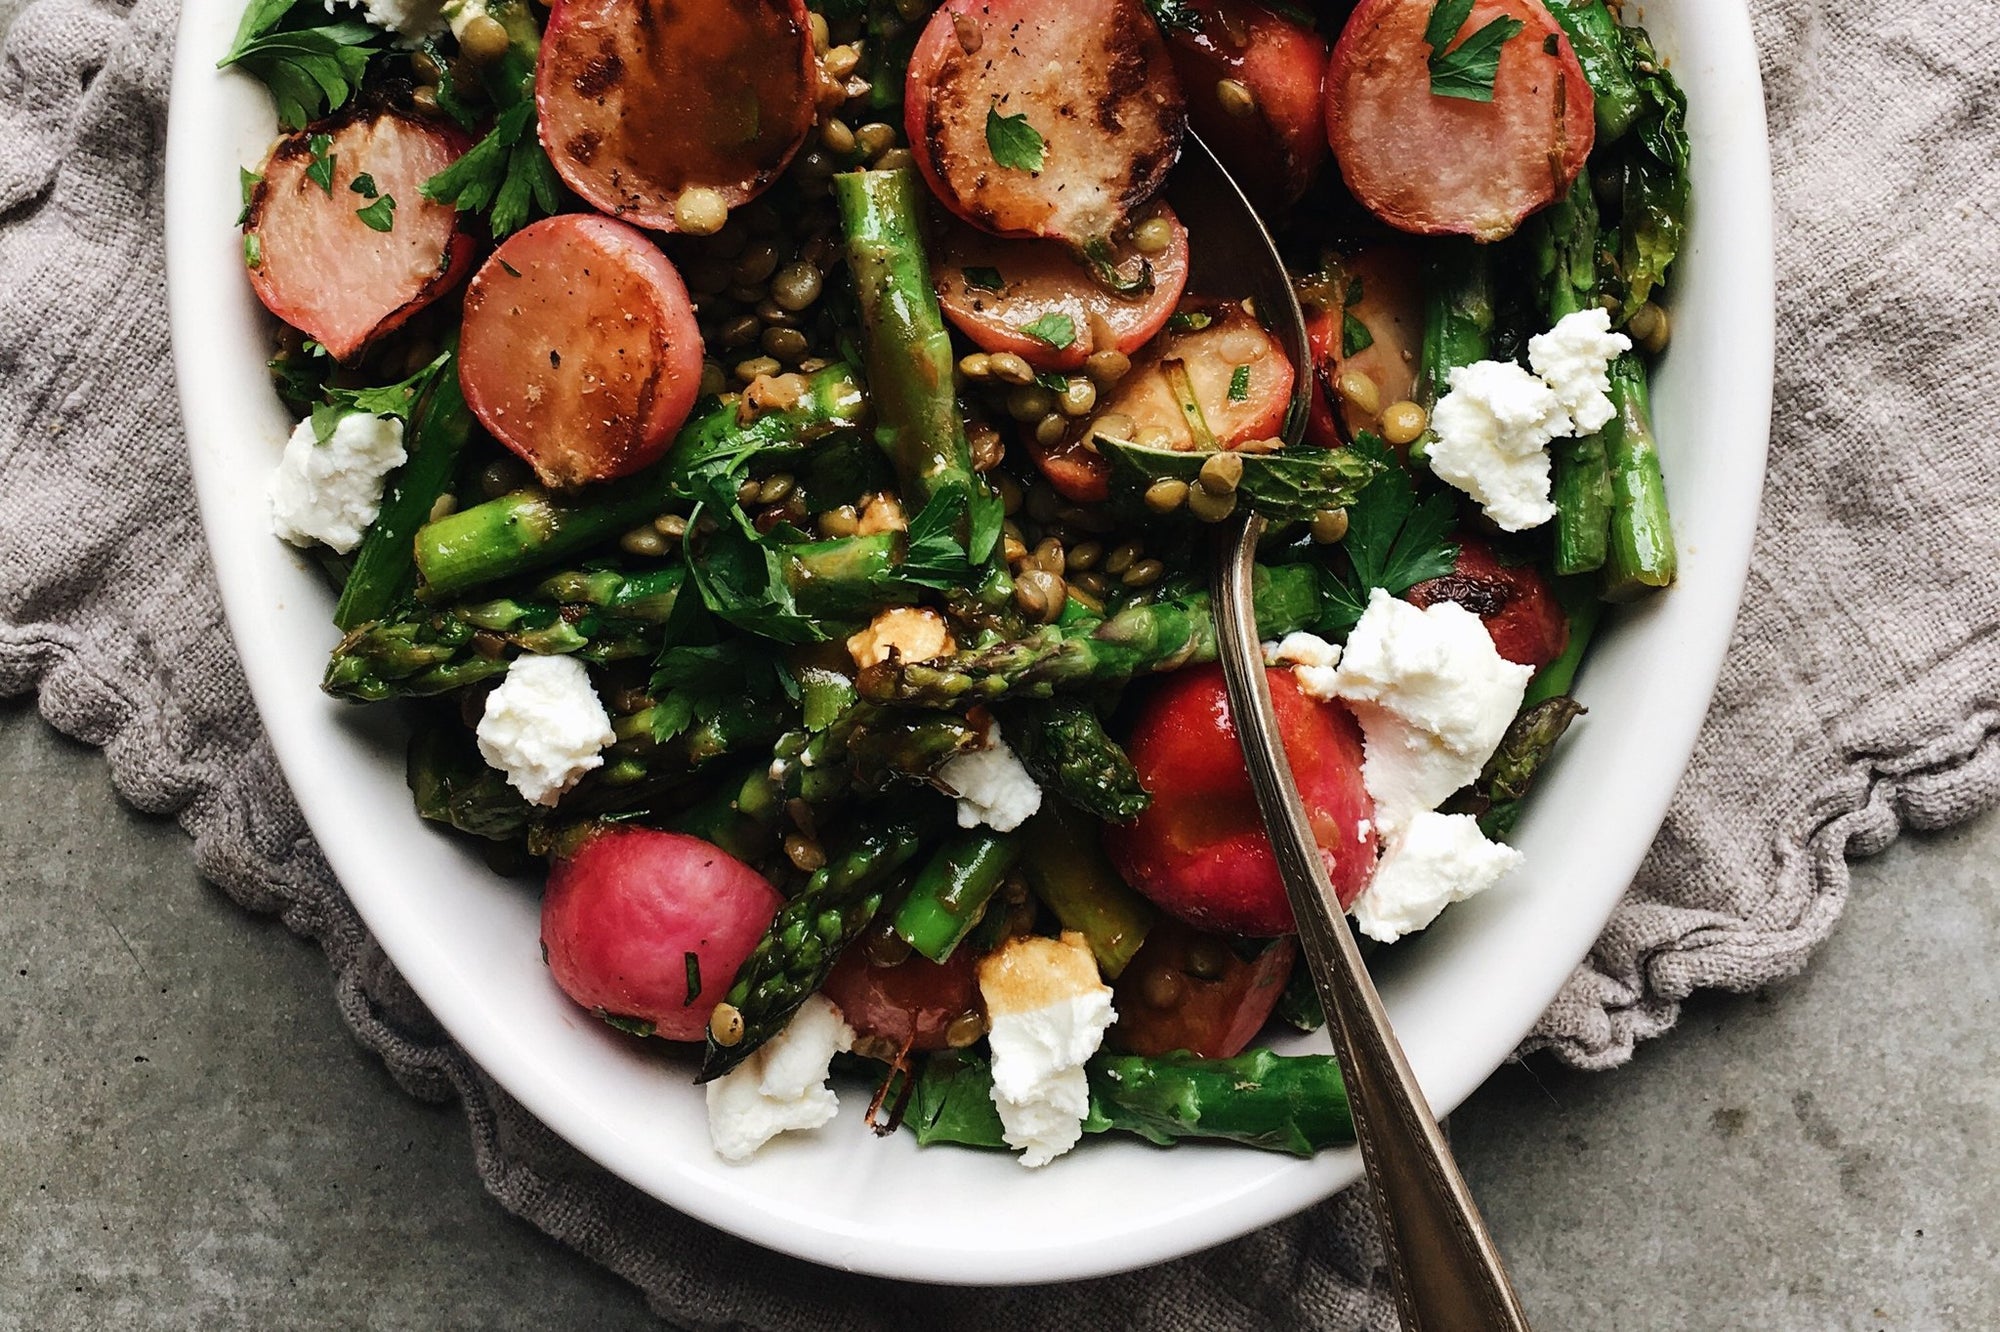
{"x":190,"y":1139}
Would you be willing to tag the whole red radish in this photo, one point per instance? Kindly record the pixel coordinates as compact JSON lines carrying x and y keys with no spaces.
{"x":1035,"y":119}
{"x":1435,"y":164}
{"x":1186,"y":990}
{"x":1253,"y":80}
{"x":641,"y":100}
{"x":345,"y":265}
{"x":1515,"y":601}
{"x":580,"y":351}
{"x":653,"y":925}
{"x":1199,"y":850}
{"x":995,"y":290}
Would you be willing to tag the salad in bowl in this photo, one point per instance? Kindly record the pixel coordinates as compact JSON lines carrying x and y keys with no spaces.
{"x":768,"y":452}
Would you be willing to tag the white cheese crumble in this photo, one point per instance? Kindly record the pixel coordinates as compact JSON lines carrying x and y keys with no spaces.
{"x":1439,"y":859}
{"x":991,"y":785}
{"x":412,"y":18}
{"x":544,"y":727}
{"x":1574,"y":359}
{"x":1494,"y":427}
{"x":1312,"y":660}
{"x":1493,"y":431}
{"x":1433,"y":696}
{"x":782,"y":1087}
{"x":1047,"y":1010}
{"x":330,"y":492}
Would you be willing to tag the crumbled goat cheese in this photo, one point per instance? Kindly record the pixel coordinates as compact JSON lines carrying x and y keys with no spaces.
{"x":991,"y":785}
{"x":544,"y":727}
{"x":1433,"y":696}
{"x":1312,"y":660}
{"x":782,"y":1087}
{"x":1047,"y":1010}
{"x":1494,"y":427}
{"x":412,"y":18}
{"x":1493,"y":431}
{"x":1574,"y":359}
{"x":330,"y":492}
{"x":1439,"y":859}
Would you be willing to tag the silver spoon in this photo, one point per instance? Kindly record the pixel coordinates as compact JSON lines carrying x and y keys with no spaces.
{"x":1443,"y":1264}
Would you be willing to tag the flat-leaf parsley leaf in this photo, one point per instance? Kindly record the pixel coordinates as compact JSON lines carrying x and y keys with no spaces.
{"x":1465,"y":71}
{"x":310,"y":71}
{"x":380,"y":215}
{"x":1393,"y":542}
{"x":1055,"y":328}
{"x":1013,"y":141}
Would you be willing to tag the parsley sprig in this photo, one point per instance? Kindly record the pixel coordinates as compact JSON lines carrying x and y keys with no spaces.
{"x":310,"y":70}
{"x":1393,"y":541}
{"x":1465,"y":71}
{"x":506,"y":175}
{"x":391,"y":400}
{"x":1013,"y":141}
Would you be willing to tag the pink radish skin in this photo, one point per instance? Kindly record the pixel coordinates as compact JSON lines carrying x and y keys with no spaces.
{"x":622,"y":916}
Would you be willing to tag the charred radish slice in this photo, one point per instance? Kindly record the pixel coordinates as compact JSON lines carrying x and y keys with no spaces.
{"x":1038,"y":300}
{"x":1218,"y":382}
{"x":580,"y":351}
{"x":1365,"y":323}
{"x":1253,"y":87}
{"x":643,"y":102}
{"x":341,"y":243}
{"x":1031,"y":118}
{"x":1438,"y":164}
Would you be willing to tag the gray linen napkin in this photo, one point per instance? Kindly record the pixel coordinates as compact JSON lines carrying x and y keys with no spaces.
{"x":1861,"y":696}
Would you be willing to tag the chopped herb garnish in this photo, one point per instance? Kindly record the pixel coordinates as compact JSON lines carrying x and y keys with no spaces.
{"x":630,"y":1025}
{"x":699,"y":682}
{"x":693,"y":964}
{"x":363,"y":185}
{"x":246,"y":181}
{"x":1191,"y":321}
{"x":309,"y":70}
{"x":1174,"y":15}
{"x":1239,"y":384}
{"x":1053,"y":382}
{"x":1465,"y":71}
{"x":984,"y":279}
{"x":253,"y":250}
{"x":380,"y":215}
{"x":320,"y":169}
{"x":1354,"y":335}
{"x":1055,"y":328}
{"x":1013,"y":141}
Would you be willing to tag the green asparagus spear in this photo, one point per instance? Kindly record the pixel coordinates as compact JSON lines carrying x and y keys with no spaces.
{"x":1580,"y":603}
{"x":1063,"y":745}
{"x":806,"y":938}
{"x":949,"y":894}
{"x":1281,"y":1103}
{"x":1148,"y":636}
{"x":599,"y":615}
{"x":1565,"y":242}
{"x":530,"y":528}
{"x":454,"y":786}
{"x":384,"y":568}
{"x":732,"y":815}
{"x":908,"y":351}
{"x":1642,"y":555}
{"x":1606,"y":59}
{"x":1067,"y":869}
{"x":1519,"y":760}
{"x":1458,"y":322}
{"x":867,"y":747}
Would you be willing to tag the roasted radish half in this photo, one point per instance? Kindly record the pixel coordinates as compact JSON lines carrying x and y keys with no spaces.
{"x":1031,"y":118}
{"x":649,"y":107}
{"x":1253,"y":80}
{"x":1365,"y":324}
{"x":1035,"y":298}
{"x":1218,"y":381}
{"x":1435,"y":164}
{"x":580,"y":351}
{"x":340,"y":241}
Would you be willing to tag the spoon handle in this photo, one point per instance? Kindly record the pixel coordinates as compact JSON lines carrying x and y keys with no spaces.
{"x":1443,"y":1264}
